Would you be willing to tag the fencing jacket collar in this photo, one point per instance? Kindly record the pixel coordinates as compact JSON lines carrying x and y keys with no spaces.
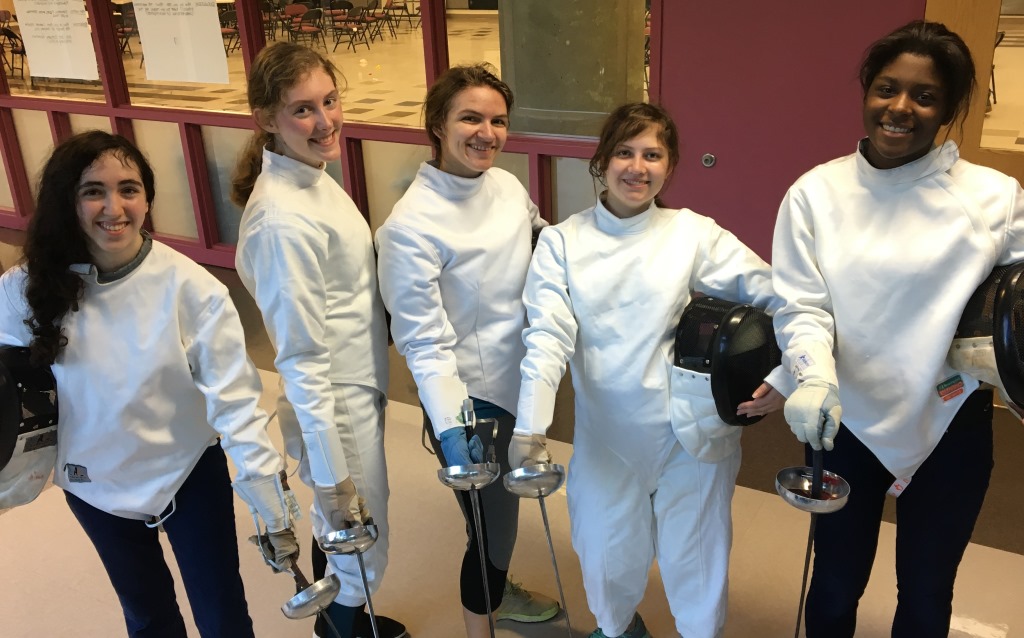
{"x":449,"y":186}
{"x":608,"y":222}
{"x":300,"y":173}
{"x":939,"y":160}
{"x":89,"y":272}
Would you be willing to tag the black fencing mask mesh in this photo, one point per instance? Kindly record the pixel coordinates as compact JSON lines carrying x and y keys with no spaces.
{"x":734,"y":343}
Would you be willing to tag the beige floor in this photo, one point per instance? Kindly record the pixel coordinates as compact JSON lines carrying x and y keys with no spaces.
{"x":1004,"y":124}
{"x":54,"y":581}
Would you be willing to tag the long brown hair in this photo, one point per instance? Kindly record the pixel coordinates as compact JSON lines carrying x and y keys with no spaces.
{"x":55,"y":239}
{"x":276,"y":69}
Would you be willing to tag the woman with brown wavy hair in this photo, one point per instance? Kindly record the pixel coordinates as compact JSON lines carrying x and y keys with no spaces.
{"x":149,"y":359}
{"x":305,"y":255}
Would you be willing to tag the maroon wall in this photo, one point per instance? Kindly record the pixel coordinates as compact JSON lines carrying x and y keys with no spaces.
{"x":770,"y":89}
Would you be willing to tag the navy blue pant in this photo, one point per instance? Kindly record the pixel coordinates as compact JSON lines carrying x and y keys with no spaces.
{"x":202,"y":534}
{"x":935,"y":517}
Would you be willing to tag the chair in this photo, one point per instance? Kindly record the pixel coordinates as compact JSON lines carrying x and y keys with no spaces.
{"x":386,"y":16}
{"x":291,"y":13}
{"x":348,"y":24}
{"x":11,"y":41}
{"x":309,"y":28}
{"x":125,"y":28}
{"x":339,"y":8}
{"x":992,"y":91}
{"x":269,"y":15}
{"x":229,"y":30}
{"x":5,"y":18}
{"x":400,"y":11}
{"x":371,"y":21}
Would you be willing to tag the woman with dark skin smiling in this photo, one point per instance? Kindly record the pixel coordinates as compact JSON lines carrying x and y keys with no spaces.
{"x":876,"y":255}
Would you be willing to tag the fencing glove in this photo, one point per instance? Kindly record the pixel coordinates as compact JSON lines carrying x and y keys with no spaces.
{"x":527,"y":449}
{"x":813,"y":413}
{"x":280,"y":549}
{"x":458,"y":450}
{"x":340,"y":505}
{"x":268,"y":498}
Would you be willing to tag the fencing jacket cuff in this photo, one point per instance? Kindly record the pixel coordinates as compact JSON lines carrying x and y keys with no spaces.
{"x":536,"y":407}
{"x":811,"y":360}
{"x":442,"y":398}
{"x":266,"y":496}
{"x":782,"y":381}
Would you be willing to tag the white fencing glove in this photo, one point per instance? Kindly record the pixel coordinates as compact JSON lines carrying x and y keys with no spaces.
{"x":280,"y":549}
{"x":813,"y":413}
{"x":340,"y":505}
{"x":269,"y":498}
{"x":528,"y":449}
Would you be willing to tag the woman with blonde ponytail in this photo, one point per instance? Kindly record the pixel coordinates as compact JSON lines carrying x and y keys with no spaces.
{"x":305,"y":254}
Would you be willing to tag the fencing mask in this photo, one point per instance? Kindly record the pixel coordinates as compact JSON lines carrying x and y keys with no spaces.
{"x":989,"y":342}
{"x":735,"y":344}
{"x":28,"y":426}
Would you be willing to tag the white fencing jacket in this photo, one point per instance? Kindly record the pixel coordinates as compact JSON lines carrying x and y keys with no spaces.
{"x":452,"y":260}
{"x":153,"y":360}
{"x":306,"y":256}
{"x":875,"y":267}
{"x":608,"y":294}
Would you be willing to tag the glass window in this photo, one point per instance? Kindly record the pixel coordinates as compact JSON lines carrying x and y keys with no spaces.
{"x":385,"y":187}
{"x":82,"y":123}
{"x":36,"y":143}
{"x":200,"y":96}
{"x":568,"y":64}
{"x":20,"y":77}
{"x":574,"y":188}
{"x":172,"y":212}
{"x":223,"y":146}
{"x":378,"y":46}
{"x":1003,"y":126}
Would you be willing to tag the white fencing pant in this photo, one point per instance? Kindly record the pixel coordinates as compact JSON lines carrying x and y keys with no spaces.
{"x":359,"y":417}
{"x":622,"y":517}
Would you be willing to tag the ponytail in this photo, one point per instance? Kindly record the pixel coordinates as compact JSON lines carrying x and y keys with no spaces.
{"x":249,"y":166}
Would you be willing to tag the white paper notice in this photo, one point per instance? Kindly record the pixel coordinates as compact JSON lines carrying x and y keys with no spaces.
{"x":181,"y":40}
{"x":58,"y":42}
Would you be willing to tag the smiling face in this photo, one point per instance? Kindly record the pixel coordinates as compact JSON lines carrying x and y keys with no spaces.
{"x":307,"y":123}
{"x":903,"y":110}
{"x":636,"y":174}
{"x":474,"y":132}
{"x":111,"y":205}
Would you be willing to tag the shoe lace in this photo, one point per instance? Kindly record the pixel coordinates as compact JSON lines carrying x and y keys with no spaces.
{"x":513,"y":588}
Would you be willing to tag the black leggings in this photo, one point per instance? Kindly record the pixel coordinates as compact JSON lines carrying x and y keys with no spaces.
{"x":499,"y":513}
{"x":935,"y":516}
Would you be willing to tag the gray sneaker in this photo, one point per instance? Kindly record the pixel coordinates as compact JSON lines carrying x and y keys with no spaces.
{"x":639,"y":630}
{"x":521,"y":605}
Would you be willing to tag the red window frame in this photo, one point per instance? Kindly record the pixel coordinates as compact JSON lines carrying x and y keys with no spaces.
{"x":208,"y":248}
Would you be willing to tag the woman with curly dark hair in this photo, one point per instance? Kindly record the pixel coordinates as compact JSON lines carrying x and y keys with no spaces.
{"x":149,"y":359}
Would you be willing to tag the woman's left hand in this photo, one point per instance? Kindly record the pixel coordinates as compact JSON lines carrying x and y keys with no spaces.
{"x":765,"y":399}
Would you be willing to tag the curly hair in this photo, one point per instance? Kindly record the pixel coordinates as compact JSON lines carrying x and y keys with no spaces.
{"x":56,"y":240}
{"x":276,"y":69}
